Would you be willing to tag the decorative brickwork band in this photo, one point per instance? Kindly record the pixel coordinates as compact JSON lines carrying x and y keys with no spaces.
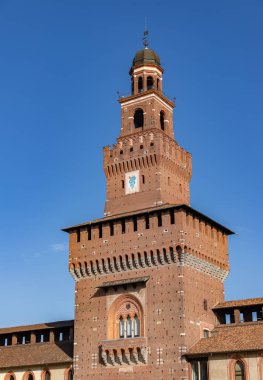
{"x":145,"y":259}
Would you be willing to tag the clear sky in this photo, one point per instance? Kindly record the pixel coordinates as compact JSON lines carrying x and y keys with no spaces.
{"x":62,"y":63}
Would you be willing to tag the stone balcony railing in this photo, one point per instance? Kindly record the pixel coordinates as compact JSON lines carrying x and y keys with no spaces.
{"x":119,"y":352}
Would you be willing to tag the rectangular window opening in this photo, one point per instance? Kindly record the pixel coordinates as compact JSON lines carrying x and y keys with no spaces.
{"x":100,"y":231}
{"x":254,"y":316}
{"x":147,"y":222}
{"x":135,"y":226}
{"x":89,"y":232}
{"x":123,"y":226}
{"x":160,"y":222}
{"x":78,"y":235}
{"x":111,"y":229}
{"x":199,"y":370}
{"x":228,"y":319}
{"x":172,"y":217}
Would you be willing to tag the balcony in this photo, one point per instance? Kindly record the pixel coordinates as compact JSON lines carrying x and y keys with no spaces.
{"x":118,"y":352}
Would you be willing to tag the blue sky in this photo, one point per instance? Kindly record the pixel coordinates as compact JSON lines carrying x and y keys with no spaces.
{"x":62,"y":63}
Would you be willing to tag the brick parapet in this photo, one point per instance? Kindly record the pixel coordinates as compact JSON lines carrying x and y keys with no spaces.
{"x":93,"y":251}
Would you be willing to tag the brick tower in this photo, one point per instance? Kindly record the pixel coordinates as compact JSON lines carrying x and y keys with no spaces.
{"x":147,"y":273}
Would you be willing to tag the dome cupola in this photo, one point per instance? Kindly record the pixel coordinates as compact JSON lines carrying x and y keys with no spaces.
{"x":146,"y":56}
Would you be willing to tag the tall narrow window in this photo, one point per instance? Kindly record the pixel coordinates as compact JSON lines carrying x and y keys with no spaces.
{"x":138,"y":118}
{"x":47,"y":375}
{"x":172,"y":216}
{"x":111,"y":229}
{"x":199,"y":370}
{"x":239,"y":371}
{"x":136,"y":326}
{"x":135,"y":227}
{"x":140,"y":84}
{"x":158,"y":80}
{"x":162,"y":120}
{"x":150,"y":83}
{"x":195,"y":370}
{"x":121,"y":327}
{"x":89,"y":232}
{"x":123,"y":226}
{"x":70,"y":375}
{"x":143,"y":179}
{"x":129,"y":327}
{"x":78,"y":235}
{"x":147,"y":222}
{"x":132,"y":86}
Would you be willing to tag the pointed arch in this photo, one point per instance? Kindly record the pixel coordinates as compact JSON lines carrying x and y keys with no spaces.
{"x":10,"y":376}
{"x":29,"y":375}
{"x":238,"y":368}
{"x":68,"y":374}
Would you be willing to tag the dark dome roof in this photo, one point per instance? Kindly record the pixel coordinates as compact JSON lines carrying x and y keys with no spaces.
{"x":146,"y":55}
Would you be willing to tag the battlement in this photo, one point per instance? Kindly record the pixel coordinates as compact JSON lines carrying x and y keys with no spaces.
{"x":162,"y":236}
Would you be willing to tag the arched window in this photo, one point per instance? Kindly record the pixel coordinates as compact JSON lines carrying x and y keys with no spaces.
{"x":150,"y":83}
{"x":136,"y":326}
{"x":162,"y":120}
{"x":138,"y":118}
{"x":68,"y":374}
{"x":140,"y":84}
{"x":132,"y":86}
{"x":47,"y":375}
{"x":125,"y":318}
{"x":239,"y":371}
{"x":10,"y":376}
{"x":129,"y":327}
{"x":121,"y":327}
{"x":28,"y":376}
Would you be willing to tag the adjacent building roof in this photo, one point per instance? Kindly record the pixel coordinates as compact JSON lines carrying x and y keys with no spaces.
{"x":231,"y":338}
{"x":239,"y":303}
{"x":39,"y":326}
{"x":36,"y":354}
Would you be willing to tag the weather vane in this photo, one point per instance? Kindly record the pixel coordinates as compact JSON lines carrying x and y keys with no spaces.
{"x":145,"y":34}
